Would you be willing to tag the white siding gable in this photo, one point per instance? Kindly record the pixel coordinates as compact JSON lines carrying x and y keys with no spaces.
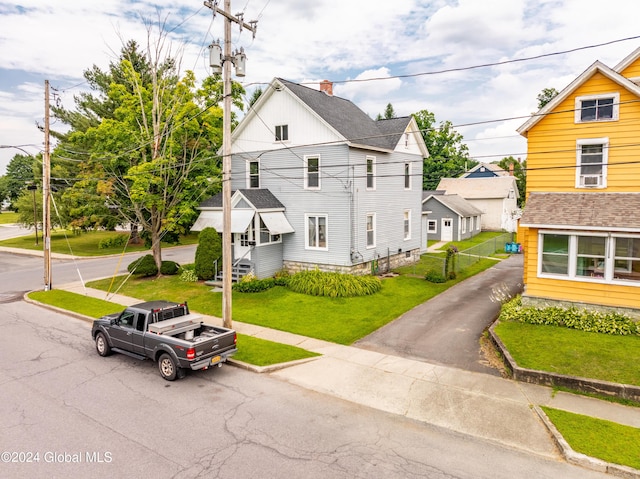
{"x":282,"y":108}
{"x":411,"y":141}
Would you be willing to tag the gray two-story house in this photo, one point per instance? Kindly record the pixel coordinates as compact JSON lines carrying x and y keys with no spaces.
{"x":318,"y":184}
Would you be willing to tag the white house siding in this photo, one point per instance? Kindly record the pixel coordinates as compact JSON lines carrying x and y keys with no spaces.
{"x":267,"y":260}
{"x":388,"y":201}
{"x":258,"y":134}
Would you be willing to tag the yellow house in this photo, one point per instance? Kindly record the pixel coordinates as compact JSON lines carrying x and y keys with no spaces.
{"x":581,"y":224}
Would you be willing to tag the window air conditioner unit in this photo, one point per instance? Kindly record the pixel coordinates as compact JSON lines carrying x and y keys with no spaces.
{"x":590,"y":180}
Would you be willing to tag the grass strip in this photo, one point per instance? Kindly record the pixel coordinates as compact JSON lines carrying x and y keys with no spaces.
{"x":606,"y":440}
{"x":261,"y":352}
{"x":576,"y":353}
{"x":85,"y":243}
{"x":92,"y":307}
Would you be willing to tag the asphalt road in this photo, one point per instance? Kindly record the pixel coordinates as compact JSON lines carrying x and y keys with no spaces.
{"x":447,"y":329}
{"x":66,"y":412}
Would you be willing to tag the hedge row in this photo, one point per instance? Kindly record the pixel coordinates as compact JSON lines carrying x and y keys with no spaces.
{"x":574,"y":318}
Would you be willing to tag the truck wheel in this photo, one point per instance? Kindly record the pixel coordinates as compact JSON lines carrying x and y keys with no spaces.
{"x":102,"y":345}
{"x":167,"y":367}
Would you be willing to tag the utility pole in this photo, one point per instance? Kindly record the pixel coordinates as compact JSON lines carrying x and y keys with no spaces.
{"x":227,"y":59}
{"x":46,"y":189}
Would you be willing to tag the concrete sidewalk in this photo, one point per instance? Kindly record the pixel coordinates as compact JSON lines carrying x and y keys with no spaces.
{"x":480,"y":405}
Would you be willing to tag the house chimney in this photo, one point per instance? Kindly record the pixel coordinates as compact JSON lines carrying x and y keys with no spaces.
{"x":510,"y":169}
{"x":327,"y":87}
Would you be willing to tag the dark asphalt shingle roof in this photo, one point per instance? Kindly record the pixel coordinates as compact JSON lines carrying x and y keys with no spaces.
{"x":586,"y":210}
{"x":455,"y":203}
{"x":349,"y":120}
{"x":261,"y":198}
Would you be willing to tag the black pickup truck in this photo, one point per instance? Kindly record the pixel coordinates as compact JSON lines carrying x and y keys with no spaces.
{"x":167,"y":333}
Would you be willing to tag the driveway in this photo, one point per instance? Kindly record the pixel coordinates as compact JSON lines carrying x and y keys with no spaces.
{"x":447,"y":329}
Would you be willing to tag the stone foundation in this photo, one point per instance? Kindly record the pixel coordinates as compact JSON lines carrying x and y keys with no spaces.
{"x":536,"y":302}
{"x":384,"y":264}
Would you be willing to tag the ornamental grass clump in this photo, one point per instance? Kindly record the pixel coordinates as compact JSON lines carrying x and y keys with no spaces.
{"x":575,"y":318}
{"x":333,"y":285}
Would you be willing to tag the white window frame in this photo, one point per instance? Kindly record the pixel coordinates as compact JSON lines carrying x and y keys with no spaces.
{"x":250,"y":175}
{"x":307,"y":245}
{"x":370,"y":175}
{"x":432,"y":226}
{"x":463,"y":226}
{"x":263,"y":230}
{"x":406,"y":224}
{"x":306,"y":172}
{"x":370,"y":232}
{"x":407,"y":176}
{"x":280,"y":132}
{"x":608,"y":268}
{"x":615,"y":107}
{"x":580,"y":178}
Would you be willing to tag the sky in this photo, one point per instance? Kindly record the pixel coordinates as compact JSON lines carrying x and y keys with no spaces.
{"x":399,"y":47}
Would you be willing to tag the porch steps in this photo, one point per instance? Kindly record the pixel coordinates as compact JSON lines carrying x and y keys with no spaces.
{"x":237,"y":273}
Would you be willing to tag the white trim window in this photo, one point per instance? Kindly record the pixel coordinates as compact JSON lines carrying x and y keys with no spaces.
{"x":407,"y":224}
{"x":371,"y":172}
{"x":312,"y":172}
{"x":371,"y":230}
{"x":265,"y":235}
{"x":604,"y":107}
{"x":407,"y":176}
{"x":282,"y":132}
{"x":589,"y":257}
{"x":432,"y":226}
{"x":591,"y":160}
{"x":253,"y":174}
{"x":463,"y":222}
{"x":316,"y":231}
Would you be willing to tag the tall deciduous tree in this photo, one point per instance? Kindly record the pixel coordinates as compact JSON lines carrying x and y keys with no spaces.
{"x":520,"y":172}
{"x":22,"y":170}
{"x":448,"y":155}
{"x":150,"y":139}
{"x":545,"y":96}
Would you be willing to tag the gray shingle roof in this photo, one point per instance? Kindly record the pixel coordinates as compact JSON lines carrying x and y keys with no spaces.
{"x":455,"y":203}
{"x":583,"y":210}
{"x":349,"y":120}
{"x":261,"y":198}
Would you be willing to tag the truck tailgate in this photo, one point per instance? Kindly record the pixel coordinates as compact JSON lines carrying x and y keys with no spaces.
{"x":214,"y":345}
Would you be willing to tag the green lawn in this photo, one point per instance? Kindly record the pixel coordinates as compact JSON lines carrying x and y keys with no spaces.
{"x":605,"y":440}
{"x":339,"y":320}
{"x":8,"y":217}
{"x":576,"y":353}
{"x":256,"y":351}
{"x":83,"y":244}
{"x":476,"y":240}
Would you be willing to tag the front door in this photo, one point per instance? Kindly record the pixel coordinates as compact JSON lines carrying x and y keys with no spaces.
{"x":242,"y":243}
{"x":447,"y":230}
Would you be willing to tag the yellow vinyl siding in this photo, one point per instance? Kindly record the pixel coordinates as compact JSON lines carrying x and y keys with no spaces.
{"x":552,"y":142}
{"x":568,"y":290}
{"x":632,"y":71}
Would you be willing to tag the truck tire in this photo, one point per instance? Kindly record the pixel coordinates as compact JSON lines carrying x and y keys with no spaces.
{"x":167,"y":367}
{"x":102,"y":345}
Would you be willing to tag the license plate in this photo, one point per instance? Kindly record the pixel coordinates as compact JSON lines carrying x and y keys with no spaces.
{"x":215,"y":359}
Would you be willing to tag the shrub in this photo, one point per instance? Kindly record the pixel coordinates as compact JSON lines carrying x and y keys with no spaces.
{"x":188,"y":275}
{"x":209,"y":250}
{"x":145,"y":266}
{"x":334,"y":285}
{"x":282,"y":278}
{"x":434,"y":277}
{"x":451,"y":275}
{"x":113,"y":241}
{"x":169,"y":268}
{"x":254,"y":285}
{"x":575,"y":318}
